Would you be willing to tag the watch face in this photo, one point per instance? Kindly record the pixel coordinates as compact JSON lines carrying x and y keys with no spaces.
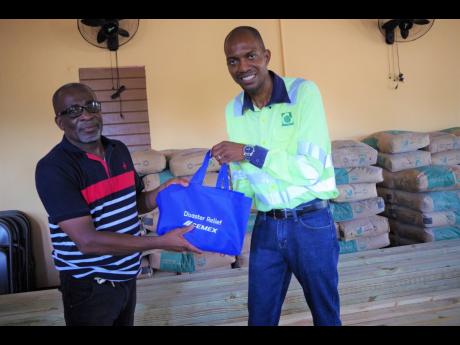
{"x":248,"y":150}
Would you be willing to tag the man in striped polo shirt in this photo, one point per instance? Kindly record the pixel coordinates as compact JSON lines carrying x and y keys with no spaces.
{"x":280,"y":155}
{"x":92,"y":194}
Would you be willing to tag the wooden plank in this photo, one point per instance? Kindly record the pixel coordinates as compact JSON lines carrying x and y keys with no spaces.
{"x":107,"y":84}
{"x":377,"y":312}
{"x":397,"y":267}
{"x":107,"y":72}
{"x":126,"y":95}
{"x":128,"y":106}
{"x":381,"y":254}
{"x":208,"y":312}
{"x":446,"y":317}
{"x":192,"y":291}
{"x":379,"y":291}
{"x":126,"y":128}
{"x":128,"y":117}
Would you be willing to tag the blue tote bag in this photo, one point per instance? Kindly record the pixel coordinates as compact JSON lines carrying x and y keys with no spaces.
{"x":220,"y":215}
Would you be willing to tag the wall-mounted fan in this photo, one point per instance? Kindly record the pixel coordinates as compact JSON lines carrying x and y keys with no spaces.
{"x":404,"y":30}
{"x":108,"y":33}
{"x":401,"y":30}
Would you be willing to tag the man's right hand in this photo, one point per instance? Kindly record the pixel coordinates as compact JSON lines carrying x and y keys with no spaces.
{"x":174,"y":240}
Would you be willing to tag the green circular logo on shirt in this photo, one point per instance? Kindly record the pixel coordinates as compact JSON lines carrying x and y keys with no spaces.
{"x":287,"y":119}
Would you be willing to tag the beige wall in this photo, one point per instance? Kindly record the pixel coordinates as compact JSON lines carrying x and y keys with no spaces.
{"x":188,"y":86}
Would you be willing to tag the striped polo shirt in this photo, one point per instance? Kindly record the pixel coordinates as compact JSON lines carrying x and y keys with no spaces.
{"x":72,"y":183}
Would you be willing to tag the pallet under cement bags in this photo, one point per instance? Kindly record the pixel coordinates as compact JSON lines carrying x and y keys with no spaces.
{"x":409,"y":285}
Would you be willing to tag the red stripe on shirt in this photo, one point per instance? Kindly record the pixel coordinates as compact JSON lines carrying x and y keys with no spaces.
{"x":107,"y":187}
{"x":100,"y":160}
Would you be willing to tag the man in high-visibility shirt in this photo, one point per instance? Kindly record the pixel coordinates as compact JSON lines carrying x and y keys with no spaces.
{"x":280,"y":155}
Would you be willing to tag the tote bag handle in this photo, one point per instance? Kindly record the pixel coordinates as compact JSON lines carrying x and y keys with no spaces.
{"x":222,"y":178}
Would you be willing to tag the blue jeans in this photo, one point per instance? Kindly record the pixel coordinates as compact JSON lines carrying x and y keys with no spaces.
{"x":306,"y":246}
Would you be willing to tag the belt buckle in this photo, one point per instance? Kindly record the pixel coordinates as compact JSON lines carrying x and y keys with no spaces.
{"x":274,"y":215}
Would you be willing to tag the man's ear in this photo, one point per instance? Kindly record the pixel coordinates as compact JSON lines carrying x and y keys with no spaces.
{"x":58,"y":121}
{"x":268,"y":55}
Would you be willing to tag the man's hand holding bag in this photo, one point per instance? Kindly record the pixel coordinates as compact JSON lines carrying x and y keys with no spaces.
{"x":219,"y":214}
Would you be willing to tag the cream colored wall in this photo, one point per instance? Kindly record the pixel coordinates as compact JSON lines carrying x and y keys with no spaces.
{"x":188,"y":86}
{"x":348,"y":59}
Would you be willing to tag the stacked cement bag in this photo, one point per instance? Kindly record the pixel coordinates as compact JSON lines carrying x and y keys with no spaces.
{"x":355,"y":210}
{"x":444,"y":147}
{"x":409,"y":181}
{"x":155,"y":168}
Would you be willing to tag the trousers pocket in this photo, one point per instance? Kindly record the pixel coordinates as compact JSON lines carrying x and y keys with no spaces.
{"x":316,"y":220}
{"x":79,"y":292}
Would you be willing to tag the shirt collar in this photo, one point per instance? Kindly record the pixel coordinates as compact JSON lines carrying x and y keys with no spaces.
{"x":279,"y":94}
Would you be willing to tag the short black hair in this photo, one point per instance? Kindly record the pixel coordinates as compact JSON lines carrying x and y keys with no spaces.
{"x":239,"y":29}
{"x":67,"y":87}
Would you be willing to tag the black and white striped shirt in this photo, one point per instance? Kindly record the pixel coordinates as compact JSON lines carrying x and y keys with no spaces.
{"x":72,"y":183}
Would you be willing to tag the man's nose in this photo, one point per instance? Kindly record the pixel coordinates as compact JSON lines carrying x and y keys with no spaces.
{"x":243,"y":66}
{"x":86,"y":115}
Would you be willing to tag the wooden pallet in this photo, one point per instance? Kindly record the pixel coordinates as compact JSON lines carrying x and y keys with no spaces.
{"x":410,"y":285}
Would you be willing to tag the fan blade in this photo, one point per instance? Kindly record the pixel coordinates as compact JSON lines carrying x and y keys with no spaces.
{"x":123,"y":32}
{"x":112,"y":43}
{"x":93,"y":22}
{"x":101,"y":37}
{"x":405,"y":25}
{"x":391,"y":24}
{"x":421,"y":21}
{"x":389,"y":36}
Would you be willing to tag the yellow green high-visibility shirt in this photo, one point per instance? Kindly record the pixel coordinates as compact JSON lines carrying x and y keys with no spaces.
{"x":292,"y":128}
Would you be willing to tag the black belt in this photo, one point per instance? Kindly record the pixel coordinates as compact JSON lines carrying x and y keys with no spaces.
{"x":299,"y":211}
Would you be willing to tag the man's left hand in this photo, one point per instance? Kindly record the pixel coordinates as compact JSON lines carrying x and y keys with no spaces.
{"x":227,"y":151}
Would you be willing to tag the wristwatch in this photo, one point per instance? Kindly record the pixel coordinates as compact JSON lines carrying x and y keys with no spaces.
{"x":248,"y":151}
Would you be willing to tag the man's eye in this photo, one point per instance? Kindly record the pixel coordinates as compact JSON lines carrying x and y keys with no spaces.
{"x":252,"y":56}
{"x":231,"y":62}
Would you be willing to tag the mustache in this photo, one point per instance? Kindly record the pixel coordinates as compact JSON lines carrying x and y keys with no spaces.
{"x":90,"y":124}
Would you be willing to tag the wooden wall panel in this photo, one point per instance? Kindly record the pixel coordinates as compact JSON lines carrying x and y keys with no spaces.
{"x":106,"y":84}
{"x":128,"y":117}
{"x":125,"y":128}
{"x":128,"y":120}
